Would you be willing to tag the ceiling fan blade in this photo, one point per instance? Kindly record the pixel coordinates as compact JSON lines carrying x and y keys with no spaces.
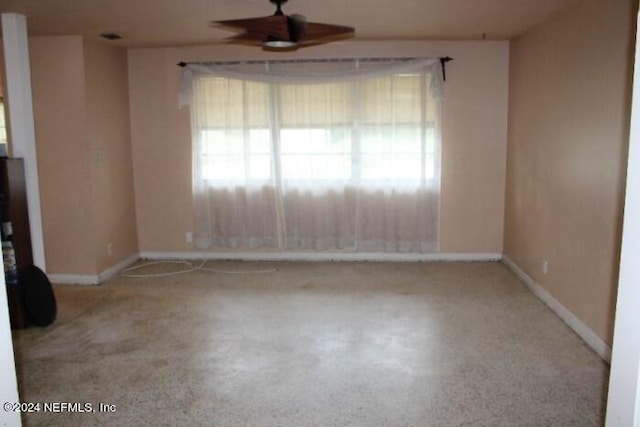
{"x":274,"y":26}
{"x":246,"y":38}
{"x":238,"y":23}
{"x":316,"y":30}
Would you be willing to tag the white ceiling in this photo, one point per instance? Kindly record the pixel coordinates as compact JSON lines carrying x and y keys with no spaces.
{"x":145,"y":23}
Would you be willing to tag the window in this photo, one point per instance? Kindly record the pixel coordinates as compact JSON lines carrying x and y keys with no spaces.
{"x":365,"y":133}
{"x":336,"y":155}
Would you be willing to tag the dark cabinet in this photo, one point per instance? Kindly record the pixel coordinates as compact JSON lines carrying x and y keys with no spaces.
{"x":14,"y":210}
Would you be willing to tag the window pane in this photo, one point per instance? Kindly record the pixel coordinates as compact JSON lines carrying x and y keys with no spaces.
{"x":396,"y":153}
{"x":216,"y":142}
{"x":260,"y":167}
{"x":223,"y":102}
{"x":429,"y":169}
{"x":391,"y":139}
{"x":329,"y":104}
{"x":260,"y":141}
{"x":314,"y":141}
{"x":392,"y":99}
{"x":235,"y":155}
{"x":223,"y":168}
{"x":315,"y":154}
{"x":379,"y":167}
{"x":322,"y":167}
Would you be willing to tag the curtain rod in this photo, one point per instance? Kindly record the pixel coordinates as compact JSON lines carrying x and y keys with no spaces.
{"x":443,"y":61}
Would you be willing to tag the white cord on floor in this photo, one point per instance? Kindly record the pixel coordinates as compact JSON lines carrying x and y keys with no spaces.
{"x":127,"y":272}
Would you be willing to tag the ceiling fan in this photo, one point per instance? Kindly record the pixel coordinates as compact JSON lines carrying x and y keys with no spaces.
{"x":283,"y":32}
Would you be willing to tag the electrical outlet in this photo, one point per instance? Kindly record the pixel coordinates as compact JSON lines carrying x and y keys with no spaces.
{"x":188,"y":237}
{"x":109,"y":248}
{"x":545,"y":267}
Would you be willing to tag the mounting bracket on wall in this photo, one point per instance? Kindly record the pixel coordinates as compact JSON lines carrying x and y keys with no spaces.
{"x":443,"y":62}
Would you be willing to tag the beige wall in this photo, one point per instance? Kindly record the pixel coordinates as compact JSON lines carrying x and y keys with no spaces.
{"x":109,"y":143}
{"x":58,"y":84}
{"x":568,"y":132}
{"x":84,"y":160}
{"x":474,"y":135}
{"x":474,"y":144}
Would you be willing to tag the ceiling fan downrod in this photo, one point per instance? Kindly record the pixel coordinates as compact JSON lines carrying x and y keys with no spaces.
{"x":278,"y":4}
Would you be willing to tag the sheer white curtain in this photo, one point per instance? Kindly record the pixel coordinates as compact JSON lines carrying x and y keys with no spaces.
{"x":316,"y":155}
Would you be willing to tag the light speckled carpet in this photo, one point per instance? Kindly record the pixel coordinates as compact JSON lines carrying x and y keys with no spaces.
{"x":311,"y":344}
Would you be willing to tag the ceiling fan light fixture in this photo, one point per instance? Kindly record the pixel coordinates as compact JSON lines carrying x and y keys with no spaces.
{"x":279,"y":44}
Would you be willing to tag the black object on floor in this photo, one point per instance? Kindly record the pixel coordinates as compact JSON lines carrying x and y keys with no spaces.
{"x":39,"y":300}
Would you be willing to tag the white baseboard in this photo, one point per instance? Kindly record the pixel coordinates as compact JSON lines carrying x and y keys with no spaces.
{"x":73,"y":279}
{"x":93,"y":279}
{"x":321,"y":256}
{"x":583,"y":331}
